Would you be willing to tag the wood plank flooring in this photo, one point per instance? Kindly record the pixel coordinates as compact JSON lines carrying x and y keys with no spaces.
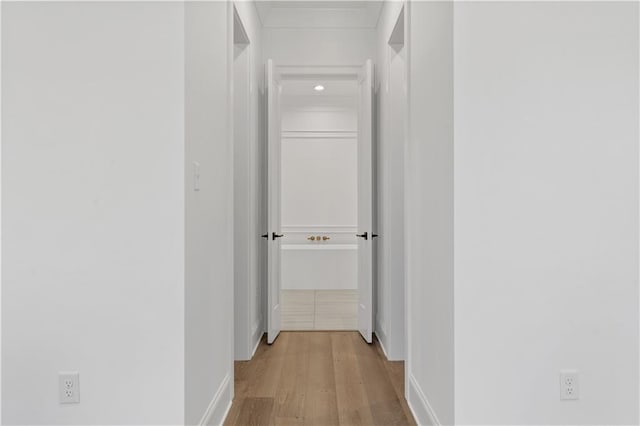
{"x":321,"y":379}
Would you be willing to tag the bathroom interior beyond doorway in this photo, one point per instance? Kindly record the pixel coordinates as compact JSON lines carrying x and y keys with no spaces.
{"x":305,"y":131}
{"x":319,"y":131}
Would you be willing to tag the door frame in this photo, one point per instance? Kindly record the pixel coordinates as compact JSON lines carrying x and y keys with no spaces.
{"x":244,"y":236}
{"x":295,"y":72}
{"x":273,"y":190}
{"x":406,"y":14}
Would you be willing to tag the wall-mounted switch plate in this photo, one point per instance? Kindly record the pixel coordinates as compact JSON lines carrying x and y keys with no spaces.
{"x":569,"y":388}
{"x":196,"y":176}
{"x":69,"y":387}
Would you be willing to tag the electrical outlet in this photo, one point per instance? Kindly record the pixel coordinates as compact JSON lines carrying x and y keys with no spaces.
{"x":69,"y":387}
{"x":569,"y":388}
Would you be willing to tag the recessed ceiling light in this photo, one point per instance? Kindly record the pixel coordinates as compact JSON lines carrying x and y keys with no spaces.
{"x":319,"y":88}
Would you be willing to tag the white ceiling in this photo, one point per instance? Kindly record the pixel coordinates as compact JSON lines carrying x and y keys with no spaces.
{"x":319,"y":14}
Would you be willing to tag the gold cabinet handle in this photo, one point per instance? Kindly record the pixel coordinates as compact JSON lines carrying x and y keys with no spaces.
{"x":325,"y":238}
{"x":311,"y":238}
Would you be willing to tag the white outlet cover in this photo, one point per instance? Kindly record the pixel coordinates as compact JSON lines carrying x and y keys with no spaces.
{"x":569,"y":385}
{"x":69,"y":387}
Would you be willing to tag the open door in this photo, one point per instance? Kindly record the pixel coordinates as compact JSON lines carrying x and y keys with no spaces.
{"x":365,"y":203}
{"x":273,"y":203}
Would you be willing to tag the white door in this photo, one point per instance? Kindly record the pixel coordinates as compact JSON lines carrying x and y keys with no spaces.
{"x":273,"y":204}
{"x":365,"y":203}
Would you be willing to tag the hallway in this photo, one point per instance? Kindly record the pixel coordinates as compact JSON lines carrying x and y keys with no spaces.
{"x":319,"y":378}
{"x":183,"y":181}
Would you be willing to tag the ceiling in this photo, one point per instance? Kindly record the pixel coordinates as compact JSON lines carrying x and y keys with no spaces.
{"x":319,"y":14}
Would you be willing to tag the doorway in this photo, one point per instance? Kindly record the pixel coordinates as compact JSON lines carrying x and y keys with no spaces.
{"x":320,"y":184}
{"x":319,"y":158}
{"x":248,"y":204}
{"x":390,"y":204}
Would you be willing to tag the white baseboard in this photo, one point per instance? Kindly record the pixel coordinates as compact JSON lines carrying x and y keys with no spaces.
{"x":419,"y":405}
{"x":389,"y":351}
{"x":380,"y":334}
{"x":381,"y":339}
{"x":257,"y":338}
{"x":219,"y":406}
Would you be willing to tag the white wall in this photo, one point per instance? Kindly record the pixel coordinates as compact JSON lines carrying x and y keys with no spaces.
{"x":242,"y":197}
{"x":319,"y":46}
{"x":390,"y":89}
{"x":337,"y":115}
{"x":0,"y":216}
{"x":319,"y":181}
{"x":319,"y":166}
{"x":429,"y":219}
{"x":93,"y":213}
{"x":546,"y":216}
{"x":546,"y":212}
{"x":250,"y":194}
{"x":209,"y":213}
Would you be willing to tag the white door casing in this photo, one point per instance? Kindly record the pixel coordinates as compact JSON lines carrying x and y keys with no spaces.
{"x":365,"y":202}
{"x":274,"y":221}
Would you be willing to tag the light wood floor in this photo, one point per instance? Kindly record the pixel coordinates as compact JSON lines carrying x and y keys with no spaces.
{"x":319,"y":378}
